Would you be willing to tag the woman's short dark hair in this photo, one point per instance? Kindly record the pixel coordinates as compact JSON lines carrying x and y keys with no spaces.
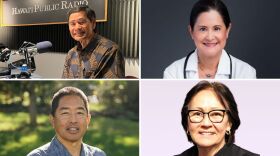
{"x":66,"y":91}
{"x":207,"y":5}
{"x":89,"y":12}
{"x":225,"y":97}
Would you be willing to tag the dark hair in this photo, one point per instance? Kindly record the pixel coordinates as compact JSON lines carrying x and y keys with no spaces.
{"x":66,"y":91}
{"x":89,"y":12}
{"x":207,"y":5}
{"x":225,"y":97}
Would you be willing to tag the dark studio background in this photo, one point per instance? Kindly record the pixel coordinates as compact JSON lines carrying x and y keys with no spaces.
{"x":254,"y":37}
{"x":121,"y":27}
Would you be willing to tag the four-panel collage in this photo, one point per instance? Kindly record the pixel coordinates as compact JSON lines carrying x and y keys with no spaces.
{"x":139,"y":78}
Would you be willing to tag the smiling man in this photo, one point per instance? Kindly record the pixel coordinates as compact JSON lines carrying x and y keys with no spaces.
{"x":94,"y":56}
{"x":70,"y":118}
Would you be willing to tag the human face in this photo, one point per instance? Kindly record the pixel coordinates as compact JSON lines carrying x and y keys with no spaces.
{"x":207,"y":134}
{"x":210,"y":33}
{"x":71,"y":119}
{"x":80,"y":27}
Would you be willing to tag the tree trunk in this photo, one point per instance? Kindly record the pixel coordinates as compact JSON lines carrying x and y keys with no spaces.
{"x":32,"y":105}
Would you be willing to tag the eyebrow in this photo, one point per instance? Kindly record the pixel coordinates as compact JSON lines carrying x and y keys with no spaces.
{"x":202,"y":109}
{"x":67,"y":108}
{"x":64,"y":108}
{"x":202,"y":26}
{"x":83,"y":19}
{"x":81,"y":108}
{"x":207,"y":26}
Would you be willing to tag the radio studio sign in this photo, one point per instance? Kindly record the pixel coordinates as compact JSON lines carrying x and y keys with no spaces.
{"x":35,"y":12}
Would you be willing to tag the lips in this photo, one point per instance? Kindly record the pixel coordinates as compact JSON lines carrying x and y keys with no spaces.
{"x":206,"y":133}
{"x":79,"y":33}
{"x":73,"y":130}
{"x":210,"y":44}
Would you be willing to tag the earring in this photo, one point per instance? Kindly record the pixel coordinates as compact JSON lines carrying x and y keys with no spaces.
{"x":228,"y":132}
{"x":188,"y":133}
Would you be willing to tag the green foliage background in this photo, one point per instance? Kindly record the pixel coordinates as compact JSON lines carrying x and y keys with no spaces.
{"x":115,"y":116}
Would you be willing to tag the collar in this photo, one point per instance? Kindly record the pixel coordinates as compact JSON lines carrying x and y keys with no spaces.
{"x":224,"y":64}
{"x":91,"y":45}
{"x":61,"y":149}
{"x":192,"y":64}
{"x":227,"y":149}
{"x":223,"y":67}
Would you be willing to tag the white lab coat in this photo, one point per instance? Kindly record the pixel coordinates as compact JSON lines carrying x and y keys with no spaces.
{"x":240,"y":69}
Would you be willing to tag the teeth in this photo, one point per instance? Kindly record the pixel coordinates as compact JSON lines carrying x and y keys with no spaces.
{"x":73,"y":129}
{"x":210,"y":44}
{"x":206,"y":133}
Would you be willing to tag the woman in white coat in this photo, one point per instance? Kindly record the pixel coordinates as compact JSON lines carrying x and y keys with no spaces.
{"x":209,"y":28}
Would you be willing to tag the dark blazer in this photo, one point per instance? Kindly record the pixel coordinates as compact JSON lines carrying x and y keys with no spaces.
{"x":227,"y":150}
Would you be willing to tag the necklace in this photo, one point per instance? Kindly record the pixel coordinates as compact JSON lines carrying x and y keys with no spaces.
{"x":208,"y":75}
{"x":204,"y":74}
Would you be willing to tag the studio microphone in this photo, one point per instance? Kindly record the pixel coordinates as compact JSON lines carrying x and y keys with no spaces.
{"x":5,"y":55}
{"x":39,"y":48}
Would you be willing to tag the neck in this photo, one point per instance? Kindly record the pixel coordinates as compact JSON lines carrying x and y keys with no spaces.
{"x":74,"y":148}
{"x":209,"y":151}
{"x":85,"y":42}
{"x":208,"y":66}
{"x":209,"y":63}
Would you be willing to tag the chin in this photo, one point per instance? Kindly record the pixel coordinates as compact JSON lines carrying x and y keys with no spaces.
{"x":211,"y":52}
{"x":205,"y":144}
{"x":73,"y":139}
{"x":205,"y":141}
{"x":79,"y":38}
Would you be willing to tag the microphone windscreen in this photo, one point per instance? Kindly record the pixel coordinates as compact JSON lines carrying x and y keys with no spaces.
{"x":43,"y":46}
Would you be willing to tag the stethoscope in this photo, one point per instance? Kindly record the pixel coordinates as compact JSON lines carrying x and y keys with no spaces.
{"x":187,"y":59}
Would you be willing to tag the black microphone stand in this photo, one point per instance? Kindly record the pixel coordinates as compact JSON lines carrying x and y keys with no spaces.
{"x":27,"y":65}
{"x":29,"y":61}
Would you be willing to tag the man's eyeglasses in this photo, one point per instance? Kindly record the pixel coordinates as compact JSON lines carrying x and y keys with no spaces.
{"x":215,"y":116}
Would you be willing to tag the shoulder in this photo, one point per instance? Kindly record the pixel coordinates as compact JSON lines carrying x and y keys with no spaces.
{"x":105,"y":42}
{"x":189,"y":152}
{"x":242,"y":151}
{"x":72,"y":51}
{"x":41,"y":151}
{"x":175,"y":69}
{"x":242,"y":69}
{"x":235,"y":150}
{"x":94,"y":150}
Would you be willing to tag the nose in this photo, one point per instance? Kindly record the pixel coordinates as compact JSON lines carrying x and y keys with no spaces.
{"x":210,"y":35}
{"x":73,"y":118}
{"x":77,"y":26}
{"x":206,"y":121}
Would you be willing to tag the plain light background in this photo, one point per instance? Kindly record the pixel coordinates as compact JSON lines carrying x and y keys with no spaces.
{"x":160,"y":115}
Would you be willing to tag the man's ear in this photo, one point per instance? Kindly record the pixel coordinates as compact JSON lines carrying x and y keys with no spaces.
{"x":51,"y":118}
{"x":88,"y":119}
{"x":93,"y":24}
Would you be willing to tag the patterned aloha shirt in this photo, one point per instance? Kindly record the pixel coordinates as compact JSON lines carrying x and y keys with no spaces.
{"x":101,"y":58}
